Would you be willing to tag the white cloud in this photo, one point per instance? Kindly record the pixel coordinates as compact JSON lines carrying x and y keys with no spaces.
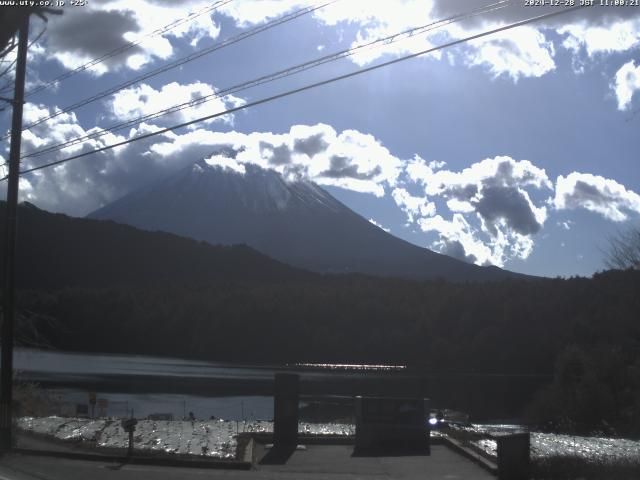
{"x":144,"y":100}
{"x":526,"y":51}
{"x":522,"y":52}
{"x":83,"y":185}
{"x":455,"y":249}
{"x":627,"y":82}
{"x":459,"y":238}
{"x":597,"y":194}
{"x":349,"y":159}
{"x":225,"y":163}
{"x":499,"y":171}
{"x":458,"y":232}
{"x":252,"y":12}
{"x":460,"y":206}
{"x":379,"y":20}
{"x":566,"y":224}
{"x":436,"y":164}
{"x":388,"y":230}
{"x":493,"y":215}
{"x":492,"y":193}
{"x":356,"y":161}
{"x":616,"y":36}
{"x":100,"y":27}
{"x":413,"y":207}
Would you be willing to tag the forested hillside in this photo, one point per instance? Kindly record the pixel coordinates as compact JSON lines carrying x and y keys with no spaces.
{"x":96,"y":286}
{"x":586,"y":331}
{"x":56,"y":251}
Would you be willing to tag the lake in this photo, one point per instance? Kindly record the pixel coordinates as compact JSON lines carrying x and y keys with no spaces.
{"x":154,"y":385}
{"x":178,"y":386}
{"x":132,"y":382}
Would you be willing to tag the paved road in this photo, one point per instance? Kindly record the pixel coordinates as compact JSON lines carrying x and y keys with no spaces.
{"x":314,"y":463}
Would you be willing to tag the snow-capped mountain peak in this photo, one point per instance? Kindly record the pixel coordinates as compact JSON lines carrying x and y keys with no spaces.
{"x":222,"y":201}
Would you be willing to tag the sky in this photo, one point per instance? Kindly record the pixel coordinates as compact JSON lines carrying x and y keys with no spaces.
{"x":518,"y":149}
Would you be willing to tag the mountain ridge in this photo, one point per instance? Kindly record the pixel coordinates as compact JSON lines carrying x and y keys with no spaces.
{"x":297,"y":223}
{"x":58,"y":251}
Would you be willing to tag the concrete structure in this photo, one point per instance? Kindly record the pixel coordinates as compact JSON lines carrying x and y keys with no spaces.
{"x":338,"y":461}
{"x":314,"y":463}
{"x":285,"y":406}
{"x":391,"y":424}
{"x":513,"y":456}
{"x":316,"y":457}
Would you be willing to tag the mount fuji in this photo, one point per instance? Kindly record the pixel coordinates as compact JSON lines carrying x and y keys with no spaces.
{"x":297,"y":222}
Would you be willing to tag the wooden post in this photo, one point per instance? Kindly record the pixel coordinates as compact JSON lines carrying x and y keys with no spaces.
{"x":8,"y":312}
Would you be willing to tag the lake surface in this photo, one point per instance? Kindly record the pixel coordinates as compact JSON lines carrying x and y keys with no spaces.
{"x":50,"y":364}
{"x":148,"y":385}
{"x":237,"y":392}
{"x":69,"y":377}
{"x":120,"y":383}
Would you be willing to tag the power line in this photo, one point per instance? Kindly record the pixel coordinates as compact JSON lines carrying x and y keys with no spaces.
{"x":117,"y":51}
{"x":182,"y":61}
{"x":304,"y":88}
{"x":13,"y":63}
{"x":124,"y":48}
{"x":6,"y":70}
{"x":10,"y":83}
{"x":272,"y":77}
{"x":9,"y":47}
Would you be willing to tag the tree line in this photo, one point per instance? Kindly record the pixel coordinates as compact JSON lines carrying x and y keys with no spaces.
{"x":583,"y":331}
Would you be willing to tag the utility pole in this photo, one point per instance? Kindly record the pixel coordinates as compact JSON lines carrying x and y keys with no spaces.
{"x":8,"y":296}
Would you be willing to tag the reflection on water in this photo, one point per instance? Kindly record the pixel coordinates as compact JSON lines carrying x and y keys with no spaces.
{"x":172,"y":405}
{"x":55,"y":362}
{"x":124,"y":384}
{"x":350,"y":366}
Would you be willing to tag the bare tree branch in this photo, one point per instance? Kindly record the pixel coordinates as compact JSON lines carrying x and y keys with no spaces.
{"x":623,"y":251}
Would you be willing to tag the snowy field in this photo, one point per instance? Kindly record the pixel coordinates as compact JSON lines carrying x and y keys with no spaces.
{"x":211,"y":438}
{"x":217,"y":438}
{"x":545,"y":445}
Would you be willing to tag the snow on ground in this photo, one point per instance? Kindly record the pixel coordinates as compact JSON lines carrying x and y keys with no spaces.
{"x":545,"y":445}
{"x":217,"y":438}
{"x":260,"y":426}
{"x":211,"y":438}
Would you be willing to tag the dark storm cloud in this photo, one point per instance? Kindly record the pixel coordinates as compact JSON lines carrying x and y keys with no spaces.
{"x":510,"y":204}
{"x":341,"y":167}
{"x":91,"y":33}
{"x":312,"y":145}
